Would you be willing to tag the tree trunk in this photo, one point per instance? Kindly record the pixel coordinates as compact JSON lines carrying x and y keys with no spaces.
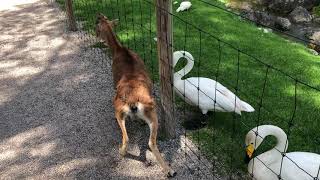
{"x":164,"y":44}
{"x":72,"y":26}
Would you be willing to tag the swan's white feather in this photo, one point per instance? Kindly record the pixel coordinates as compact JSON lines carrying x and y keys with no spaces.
{"x":185,"y":5}
{"x":293,"y":162}
{"x":309,"y":162}
{"x":209,"y":91}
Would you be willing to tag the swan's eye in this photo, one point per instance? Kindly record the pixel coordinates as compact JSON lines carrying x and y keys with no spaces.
{"x":251,"y":143}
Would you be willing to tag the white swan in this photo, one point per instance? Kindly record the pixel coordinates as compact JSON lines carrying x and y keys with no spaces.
{"x":309,"y":162}
{"x":209,"y":90}
{"x":185,"y":5}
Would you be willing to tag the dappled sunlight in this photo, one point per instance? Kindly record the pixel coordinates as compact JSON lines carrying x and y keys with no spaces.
{"x":31,"y":41}
{"x":304,"y":94}
{"x":316,"y":99}
{"x":14,"y":171}
{"x":8,"y":155}
{"x":48,"y":23}
{"x":62,"y":169}
{"x":59,"y":66}
{"x":12,"y":4}
{"x":53,"y":97}
{"x":23,"y":138}
{"x":6,"y":94}
{"x":128,"y":35}
{"x":125,"y":170}
{"x":26,"y":155}
{"x":12,"y":72}
{"x":81,"y":78}
{"x":181,"y":153}
{"x":69,"y":84}
{"x":66,"y":167}
{"x":306,"y":52}
{"x":44,"y":41}
{"x":8,"y":64}
{"x":187,"y":146}
{"x":25,"y":71}
{"x":214,"y":19}
{"x":6,"y":48}
{"x":18,"y":153}
{"x":43,"y":149}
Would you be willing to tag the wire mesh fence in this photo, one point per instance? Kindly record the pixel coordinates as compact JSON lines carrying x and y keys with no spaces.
{"x":286,"y":98}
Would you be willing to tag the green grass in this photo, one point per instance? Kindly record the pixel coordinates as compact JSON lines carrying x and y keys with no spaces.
{"x":224,"y":136}
{"x":316,"y":11}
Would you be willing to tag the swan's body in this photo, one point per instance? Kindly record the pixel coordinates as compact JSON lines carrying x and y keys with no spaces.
{"x":185,"y":5}
{"x":309,"y":162}
{"x":209,"y":90}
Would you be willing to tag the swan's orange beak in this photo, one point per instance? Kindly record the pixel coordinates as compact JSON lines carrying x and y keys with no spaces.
{"x":249,"y":153}
{"x":250,"y":150}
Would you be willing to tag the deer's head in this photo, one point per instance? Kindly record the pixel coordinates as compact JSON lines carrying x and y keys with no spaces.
{"x":104,"y":25}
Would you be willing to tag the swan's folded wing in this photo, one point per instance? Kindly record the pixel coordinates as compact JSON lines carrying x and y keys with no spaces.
{"x":309,"y":162}
{"x":224,"y":98}
{"x":240,"y":105}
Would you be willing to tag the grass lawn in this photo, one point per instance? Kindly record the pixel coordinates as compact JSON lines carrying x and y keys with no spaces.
{"x":224,"y":136}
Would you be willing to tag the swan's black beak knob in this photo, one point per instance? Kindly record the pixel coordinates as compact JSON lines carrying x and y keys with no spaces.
{"x":247,"y":159}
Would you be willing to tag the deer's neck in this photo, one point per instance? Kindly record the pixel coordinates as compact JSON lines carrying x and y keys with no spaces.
{"x":112,"y":40}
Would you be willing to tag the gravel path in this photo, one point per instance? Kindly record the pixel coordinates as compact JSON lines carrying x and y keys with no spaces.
{"x":56,"y":114}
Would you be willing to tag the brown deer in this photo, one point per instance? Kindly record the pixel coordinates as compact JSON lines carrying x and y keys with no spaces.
{"x":133,"y":89}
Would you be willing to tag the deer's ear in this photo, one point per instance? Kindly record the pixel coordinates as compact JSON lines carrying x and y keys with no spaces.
{"x":115,"y":22}
{"x":99,"y":15}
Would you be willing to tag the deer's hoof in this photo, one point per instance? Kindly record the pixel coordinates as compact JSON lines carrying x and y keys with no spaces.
{"x":171,"y":173}
{"x":148,"y":163}
{"x":123,"y":151}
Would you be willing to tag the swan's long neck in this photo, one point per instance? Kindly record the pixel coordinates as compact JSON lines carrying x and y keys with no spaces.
{"x":190,"y":62}
{"x":281,"y":136}
{"x":274,"y":154}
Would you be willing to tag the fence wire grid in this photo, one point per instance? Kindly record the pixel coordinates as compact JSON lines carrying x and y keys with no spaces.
{"x":280,"y":97}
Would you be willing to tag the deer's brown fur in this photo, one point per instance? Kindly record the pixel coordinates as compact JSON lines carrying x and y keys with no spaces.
{"x":133,"y":89}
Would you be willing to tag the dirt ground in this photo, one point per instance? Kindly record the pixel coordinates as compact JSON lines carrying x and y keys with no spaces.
{"x":56,"y":114}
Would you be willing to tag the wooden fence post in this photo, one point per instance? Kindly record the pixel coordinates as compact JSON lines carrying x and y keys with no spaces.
{"x":164,"y":45}
{"x":72,"y":26}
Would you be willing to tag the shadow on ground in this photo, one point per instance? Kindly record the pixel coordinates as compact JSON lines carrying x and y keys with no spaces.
{"x":56,"y":114}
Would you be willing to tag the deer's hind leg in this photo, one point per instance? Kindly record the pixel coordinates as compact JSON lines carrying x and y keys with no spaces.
{"x":152,"y":120}
{"x":122,"y":123}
